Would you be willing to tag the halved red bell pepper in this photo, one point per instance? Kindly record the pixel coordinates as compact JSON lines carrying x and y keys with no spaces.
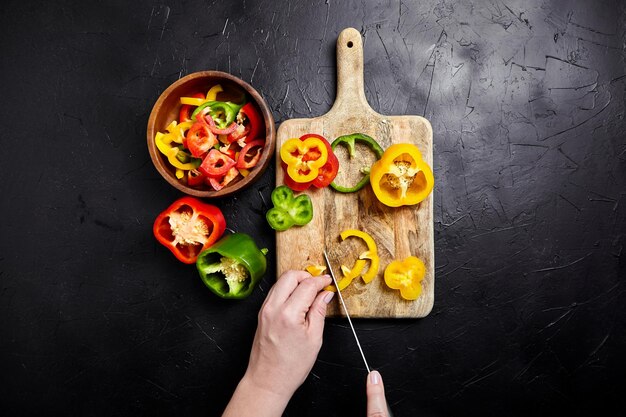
{"x":188,"y":227}
{"x":326,"y":173}
{"x":184,"y":114}
{"x":247,"y":159}
{"x":216,"y":164}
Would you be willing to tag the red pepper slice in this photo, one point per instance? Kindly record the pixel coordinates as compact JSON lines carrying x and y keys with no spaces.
{"x":199,"y":139}
{"x":184,"y":115}
{"x":195,"y":178}
{"x":188,"y":227}
{"x":205,"y":117}
{"x":327,"y":172}
{"x":216,"y":164}
{"x":255,"y":121}
{"x":219,"y":184}
{"x":242,"y":162}
{"x":240,"y":131}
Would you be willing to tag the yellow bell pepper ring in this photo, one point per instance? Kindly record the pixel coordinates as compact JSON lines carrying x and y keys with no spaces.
{"x":304,"y":158}
{"x":371,"y":254}
{"x":401,"y":177}
{"x":406,"y":275}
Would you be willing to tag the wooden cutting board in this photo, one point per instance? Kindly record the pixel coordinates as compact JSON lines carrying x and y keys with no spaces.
{"x":398,"y":232}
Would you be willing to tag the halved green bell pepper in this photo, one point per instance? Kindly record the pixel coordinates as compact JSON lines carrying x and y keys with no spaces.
{"x":289,"y":210}
{"x":349,"y":141}
{"x":233,"y":266}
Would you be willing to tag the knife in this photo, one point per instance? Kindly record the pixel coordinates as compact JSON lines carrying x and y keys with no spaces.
{"x":343,"y":304}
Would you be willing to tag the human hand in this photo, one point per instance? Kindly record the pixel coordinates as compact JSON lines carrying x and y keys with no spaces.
{"x":289,"y":333}
{"x":376,"y":402}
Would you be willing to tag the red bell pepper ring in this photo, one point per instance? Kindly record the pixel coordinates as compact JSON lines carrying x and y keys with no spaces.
{"x":255,"y":121}
{"x":218,"y":184}
{"x":205,"y":117}
{"x":327,"y":172}
{"x":199,"y":139}
{"x":241,"y":131}
{"x":184,"y":115}
{"x":216,"y":164}
{"x":188,"y":227}
{"x":243,"y":162}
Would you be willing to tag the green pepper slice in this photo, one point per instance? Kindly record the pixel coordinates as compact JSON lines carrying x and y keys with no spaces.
{"x":233,"y":266}
{"x":227,"y":108}
{"x":349,"y":141}
{"x":289,"y":210}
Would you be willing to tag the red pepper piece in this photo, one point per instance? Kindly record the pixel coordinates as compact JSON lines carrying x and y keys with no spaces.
{"x":188,"y":227}
{"x":255,"y":121}
{"x":199,"y":140}
{"x":205,"y":117}
{"x":184,"y":115}
{"x":195,"y":178}
{"x":248,"y":160}
{"x":216,"y":164}
{"x":217,"y":185}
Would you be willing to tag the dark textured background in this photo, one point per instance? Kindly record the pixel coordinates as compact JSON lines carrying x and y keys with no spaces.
{"x":526,"y":99}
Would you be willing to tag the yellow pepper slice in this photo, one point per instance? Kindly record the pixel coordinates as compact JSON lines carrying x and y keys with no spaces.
{"x":406,"y":276}
{"x":315,"y":270}
{"x":211,"y":95}
{"x":162,"y":142}
{"x":304,"y":158}
{"x":401,"y":177}
{"x":371,"y":253}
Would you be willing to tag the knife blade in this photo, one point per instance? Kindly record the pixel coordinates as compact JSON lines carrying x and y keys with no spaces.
{"x":343,"y":304}
{"x":345,"y":309}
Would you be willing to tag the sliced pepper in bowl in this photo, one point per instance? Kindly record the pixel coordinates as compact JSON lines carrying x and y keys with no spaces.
{"x":233,"y":266}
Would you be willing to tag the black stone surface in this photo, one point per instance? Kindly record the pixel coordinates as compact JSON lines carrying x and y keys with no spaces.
{"x":526,"y":99}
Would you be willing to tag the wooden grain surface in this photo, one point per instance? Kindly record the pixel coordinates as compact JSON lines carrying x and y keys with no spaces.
{"x":398,"y":232}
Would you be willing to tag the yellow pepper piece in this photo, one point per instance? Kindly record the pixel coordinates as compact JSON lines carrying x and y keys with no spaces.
{"x":245,"y":173}
{"x":371,"y":253}
{"x":211,"y":95}
{"x":180,"y":173}
{"x":356,"y":270}
{"x":406,"y":276}
{"x":162,"y":143}
{"x":315,"y":270}
{"x":401,"y":177}
{"x":177,"y":131}
{"x":299,"y":168}
{"x":192,"y":101}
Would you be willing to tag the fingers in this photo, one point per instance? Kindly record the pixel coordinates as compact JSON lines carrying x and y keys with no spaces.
{"x":285,"y":285}
{"x":376,"y":402}
{"x":303,"y":296}
{"x":317,"y":313}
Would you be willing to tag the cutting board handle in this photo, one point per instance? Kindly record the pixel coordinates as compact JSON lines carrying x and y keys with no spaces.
{"x":350,"y":87}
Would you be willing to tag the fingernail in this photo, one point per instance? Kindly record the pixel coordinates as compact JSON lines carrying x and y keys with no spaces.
{"x":375,"y":377}
{"x":329,"y":296}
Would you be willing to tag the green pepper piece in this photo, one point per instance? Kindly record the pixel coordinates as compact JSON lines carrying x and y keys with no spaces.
{"x":349,"y":141}
{"x":233,"y":266}
{"x":185,"y":158}
{"x":289,"y":210}
{"x":229,"y":109}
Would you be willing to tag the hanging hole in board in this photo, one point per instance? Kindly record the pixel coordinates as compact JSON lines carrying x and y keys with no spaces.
{"x":350,"y":44}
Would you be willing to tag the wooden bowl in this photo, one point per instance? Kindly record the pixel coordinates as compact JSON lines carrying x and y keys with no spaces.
{"x":167,"y":107}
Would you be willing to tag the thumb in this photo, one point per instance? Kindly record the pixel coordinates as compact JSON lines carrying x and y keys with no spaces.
{"x":376,"y":402}
{"x":317,"y":312}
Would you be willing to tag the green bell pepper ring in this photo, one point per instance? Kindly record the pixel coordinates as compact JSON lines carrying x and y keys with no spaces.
{"x":349,"y":141}
{"x":227,"y":108}
{"x":289,"y":210}
{"x":233,"y":266}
